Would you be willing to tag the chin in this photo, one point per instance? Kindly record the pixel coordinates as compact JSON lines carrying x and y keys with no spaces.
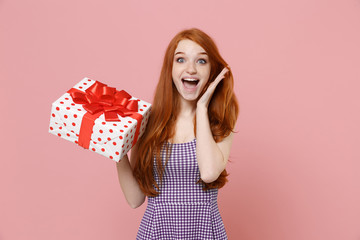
{"x":190,"y":98}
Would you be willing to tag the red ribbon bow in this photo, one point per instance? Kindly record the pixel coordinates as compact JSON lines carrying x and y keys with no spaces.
{"x":98,"y":99}
{"x":101,"y":98}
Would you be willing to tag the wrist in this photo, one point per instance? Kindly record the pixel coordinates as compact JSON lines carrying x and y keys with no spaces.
{"x":201,"y":108}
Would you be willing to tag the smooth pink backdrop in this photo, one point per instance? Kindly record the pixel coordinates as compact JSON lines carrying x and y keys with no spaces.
{"x":295,"y":159}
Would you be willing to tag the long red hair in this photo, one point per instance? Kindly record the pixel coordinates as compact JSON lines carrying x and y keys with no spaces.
{"x":222,"y":111}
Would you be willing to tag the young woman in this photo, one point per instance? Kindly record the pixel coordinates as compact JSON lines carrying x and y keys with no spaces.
{"x":179,"y":163}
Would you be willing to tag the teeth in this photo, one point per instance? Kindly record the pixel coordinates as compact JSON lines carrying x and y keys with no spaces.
{"x":190,"y":79}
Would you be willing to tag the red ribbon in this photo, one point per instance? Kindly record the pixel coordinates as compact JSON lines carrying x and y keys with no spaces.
{"x":99,"y":99}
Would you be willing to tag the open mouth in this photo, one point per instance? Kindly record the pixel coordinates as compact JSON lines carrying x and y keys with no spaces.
{"x":190,"y":82}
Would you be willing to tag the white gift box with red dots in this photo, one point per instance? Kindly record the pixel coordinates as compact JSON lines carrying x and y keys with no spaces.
{"x":110,"y":139}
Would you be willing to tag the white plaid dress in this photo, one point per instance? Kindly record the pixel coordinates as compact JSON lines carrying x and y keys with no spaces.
{"x":182,"y":210}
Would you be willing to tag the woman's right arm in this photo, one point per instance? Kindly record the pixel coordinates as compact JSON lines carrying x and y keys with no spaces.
{"x":130,"y":187}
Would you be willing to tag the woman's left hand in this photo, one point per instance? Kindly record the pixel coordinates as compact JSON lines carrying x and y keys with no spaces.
{"x":205,"y":98}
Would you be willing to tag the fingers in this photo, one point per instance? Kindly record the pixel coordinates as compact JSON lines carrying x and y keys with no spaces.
{"x":211,"y":88}
{"x":221,"y":75}
{"x":226,"y":69}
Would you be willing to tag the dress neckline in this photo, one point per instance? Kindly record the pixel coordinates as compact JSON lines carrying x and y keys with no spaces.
{"x":181,"y":143}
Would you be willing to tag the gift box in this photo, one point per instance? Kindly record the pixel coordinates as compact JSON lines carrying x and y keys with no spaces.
{"x":99,"y":118}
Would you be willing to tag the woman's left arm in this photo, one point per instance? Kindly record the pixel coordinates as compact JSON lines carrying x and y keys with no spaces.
{"x":212,"y":157}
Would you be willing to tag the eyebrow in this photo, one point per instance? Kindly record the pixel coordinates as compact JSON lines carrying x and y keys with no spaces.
{"x":184,"y":53}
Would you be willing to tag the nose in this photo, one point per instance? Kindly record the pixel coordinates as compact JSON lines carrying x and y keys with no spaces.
{"x":191,"y":68}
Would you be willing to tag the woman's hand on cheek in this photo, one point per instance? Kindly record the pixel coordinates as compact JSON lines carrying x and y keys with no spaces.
{"x":205,"y":98}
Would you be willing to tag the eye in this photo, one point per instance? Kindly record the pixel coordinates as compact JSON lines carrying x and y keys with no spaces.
{"x":180,"y":59}
{"x":202,"y":61}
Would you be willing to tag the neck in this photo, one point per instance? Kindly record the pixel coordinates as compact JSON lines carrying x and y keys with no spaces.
{"x":187,"y":108}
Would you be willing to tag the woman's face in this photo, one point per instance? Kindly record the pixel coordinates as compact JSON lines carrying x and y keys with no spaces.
{"x":191,"y":69}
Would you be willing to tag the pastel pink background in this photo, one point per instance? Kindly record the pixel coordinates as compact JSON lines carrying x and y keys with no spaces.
{"x":295,"y":160}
